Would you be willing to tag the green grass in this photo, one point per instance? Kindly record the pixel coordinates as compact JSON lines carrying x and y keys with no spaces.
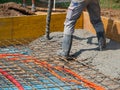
{"x":114,"y":4}
{"x":110,"y":4}
{"x":4,"y":1}
{"x":63,"y":5}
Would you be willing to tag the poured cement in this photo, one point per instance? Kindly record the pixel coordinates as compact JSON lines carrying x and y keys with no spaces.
{"x":85,"y":46}
{"x":107,"y":61}
{"x":101,"y":67}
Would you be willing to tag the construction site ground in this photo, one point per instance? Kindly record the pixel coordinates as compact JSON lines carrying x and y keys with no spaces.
{"x":101,"y":67}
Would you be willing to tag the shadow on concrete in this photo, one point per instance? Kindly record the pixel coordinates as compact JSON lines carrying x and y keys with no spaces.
{"x":111,"y":45}
{"x":76,"y":54}
{"x":112,"y":32}
{"x":89,"y":41}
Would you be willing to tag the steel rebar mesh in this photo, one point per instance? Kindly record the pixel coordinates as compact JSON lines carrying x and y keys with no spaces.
{"x":15,"y":61}
{"x":31,"y":74}
{"x":25,"y":62}
{"x":82,"y":66}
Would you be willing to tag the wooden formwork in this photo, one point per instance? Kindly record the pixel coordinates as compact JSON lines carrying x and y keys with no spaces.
{"x":23,"y":27}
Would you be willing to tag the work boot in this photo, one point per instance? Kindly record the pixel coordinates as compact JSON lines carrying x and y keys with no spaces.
{"x":33,"y":8}
{"x":101,"y":40}
{"x":66,"y":46}
{"x":24,"y":5}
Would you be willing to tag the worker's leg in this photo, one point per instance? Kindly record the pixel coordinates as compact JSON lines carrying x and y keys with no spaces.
{"x":33,"y":5}
{"x":74,"y":11}
{"x":24,"y":3}
{"x":94,"y":12}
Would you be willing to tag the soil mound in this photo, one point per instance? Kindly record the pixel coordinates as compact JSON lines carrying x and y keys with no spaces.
{"x":14,"y":9}
{"x":111,"y":13}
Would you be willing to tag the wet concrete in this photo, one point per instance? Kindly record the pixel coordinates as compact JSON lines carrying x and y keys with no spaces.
{"x":101,"y":67}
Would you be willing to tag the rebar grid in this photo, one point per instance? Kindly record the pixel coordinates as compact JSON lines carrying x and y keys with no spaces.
{"x":32,"y":75}
{"x":46,"y":50}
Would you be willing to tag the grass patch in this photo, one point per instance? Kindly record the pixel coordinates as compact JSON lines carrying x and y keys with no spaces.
{"x":113,"y":4}
{"x":5,"y":1}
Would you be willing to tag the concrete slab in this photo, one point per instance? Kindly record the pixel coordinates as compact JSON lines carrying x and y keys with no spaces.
{"x":101,"y":67}
{"x":108,"y":61}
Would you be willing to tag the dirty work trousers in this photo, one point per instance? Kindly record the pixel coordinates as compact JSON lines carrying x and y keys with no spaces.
{"x":74,"y":11}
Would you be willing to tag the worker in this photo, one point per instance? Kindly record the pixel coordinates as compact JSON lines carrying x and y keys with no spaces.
{"x":74,"y":11}
{"x":33,"y":5}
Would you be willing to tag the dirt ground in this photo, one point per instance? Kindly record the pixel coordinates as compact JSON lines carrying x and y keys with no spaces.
{"x":111,"y":13}
{"x":13,"y":9}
